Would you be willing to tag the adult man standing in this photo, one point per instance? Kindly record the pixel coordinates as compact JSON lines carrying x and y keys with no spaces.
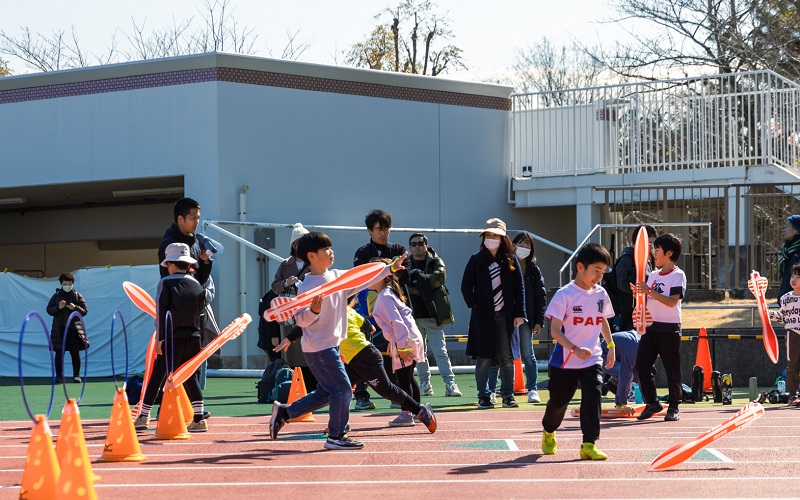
{"x":430,"y":304}
{"x":625,"y":270}
{"x":379,"y":224}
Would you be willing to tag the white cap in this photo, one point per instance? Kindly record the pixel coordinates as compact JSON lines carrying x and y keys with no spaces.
{"x":177,"y":252}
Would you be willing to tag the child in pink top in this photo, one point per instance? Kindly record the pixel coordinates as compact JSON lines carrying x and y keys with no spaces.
{"x":394,"y":317}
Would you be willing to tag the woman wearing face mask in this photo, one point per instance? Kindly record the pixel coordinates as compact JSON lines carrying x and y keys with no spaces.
{"x":64,"y":302}
{"x":492,"y":288}
{"x":535,"y":304}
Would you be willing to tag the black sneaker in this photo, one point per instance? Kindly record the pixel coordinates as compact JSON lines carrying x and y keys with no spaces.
{"x":673,"y":415}
{"x":485,"y":403}
{"x":279,"y":418}
{"x":344,"y":442}
{"x":206,"y":415}
{"x":510,"y":402}
{"x":77,"y":379}
{"x":650,"y":410}
{"x":58,"y":379}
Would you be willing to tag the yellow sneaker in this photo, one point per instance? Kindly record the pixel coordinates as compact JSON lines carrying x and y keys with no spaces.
{"x":549,"y":445}
{"x":590,"y":452}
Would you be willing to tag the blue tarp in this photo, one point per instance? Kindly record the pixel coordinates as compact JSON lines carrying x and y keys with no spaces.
{"x":102,"y":289}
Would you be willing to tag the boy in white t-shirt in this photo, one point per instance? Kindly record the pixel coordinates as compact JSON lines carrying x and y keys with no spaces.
{"x":789,"y":315}
{"x":578,"y":315}
{"x":665,"y":289}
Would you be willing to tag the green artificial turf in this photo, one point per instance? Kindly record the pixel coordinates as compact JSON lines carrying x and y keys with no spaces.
{"x":237,"y":397}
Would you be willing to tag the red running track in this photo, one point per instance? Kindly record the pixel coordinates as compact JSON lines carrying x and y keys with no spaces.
{"x":474,"y":454}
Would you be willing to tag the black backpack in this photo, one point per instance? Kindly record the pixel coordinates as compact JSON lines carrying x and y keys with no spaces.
{"x":610,"y":284}
{"x":265,"y":386}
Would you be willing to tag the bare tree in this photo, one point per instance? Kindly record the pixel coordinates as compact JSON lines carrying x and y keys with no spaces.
{"x":545,"y":67}
{"x":60,"y":51}
{"x":698,"y":36}
{"x":389,"y":48}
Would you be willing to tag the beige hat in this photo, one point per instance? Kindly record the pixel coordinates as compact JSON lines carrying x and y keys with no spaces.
{"x":177,"y":252}
{"x":297,"y":232}
{"x":495,"y":226}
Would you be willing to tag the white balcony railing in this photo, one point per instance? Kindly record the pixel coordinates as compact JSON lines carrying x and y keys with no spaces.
{"x":750,"y":118}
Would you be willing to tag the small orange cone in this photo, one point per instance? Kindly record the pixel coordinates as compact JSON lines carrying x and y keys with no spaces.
{"x":71,"y":426}
{"x":41,"y":465}
{"x":121,"y":445}
{"x":519,"y":380}
{"x":703,"y":359}
{"x":297,"y":391}
{"x":76,"y":480}
{"x":186,"y":405}
{"x":171,"y":422}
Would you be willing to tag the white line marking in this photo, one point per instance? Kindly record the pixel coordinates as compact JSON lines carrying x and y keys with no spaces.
{"x":512,"y":446}
{"x":719,"y":455}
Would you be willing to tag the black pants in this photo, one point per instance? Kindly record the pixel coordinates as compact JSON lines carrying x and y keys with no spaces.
{"x":367,"y":367}
{"x":361,"y":387}
{"x":666,"y":344}
{"x":625,"y":312}
{"x":75,"y":354}
{"x":184,"y":349}
{"x":563,"y":384}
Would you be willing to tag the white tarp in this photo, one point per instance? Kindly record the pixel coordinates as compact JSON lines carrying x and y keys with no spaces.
{"x":102,"y":289}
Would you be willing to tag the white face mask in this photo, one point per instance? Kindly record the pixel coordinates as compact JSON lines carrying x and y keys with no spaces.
{"x":67,"y":288}
{"x":491,"y":244}
{"x":522,"y":253}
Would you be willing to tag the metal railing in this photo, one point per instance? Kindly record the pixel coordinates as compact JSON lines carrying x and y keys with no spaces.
{"x":740,"y":119}
{"x":596,"y":236}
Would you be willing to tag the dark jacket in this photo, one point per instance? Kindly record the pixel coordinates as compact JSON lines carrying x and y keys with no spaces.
{"x":363,"y":256}
{"x":429,"y":297}
{"x":174,"y":235}
{"x":535,"y":294}
{"x":184,"y":298}
{"x":76,"y":336}
{"x":476,"y":287}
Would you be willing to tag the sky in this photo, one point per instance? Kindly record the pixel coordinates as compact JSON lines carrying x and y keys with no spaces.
{"x":490,"y":33}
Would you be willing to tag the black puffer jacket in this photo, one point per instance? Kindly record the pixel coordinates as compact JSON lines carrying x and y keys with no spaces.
{"x":174,"y":235}
{"x":76,"y":336}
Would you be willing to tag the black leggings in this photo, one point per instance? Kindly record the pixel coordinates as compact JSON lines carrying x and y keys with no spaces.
{"x":184,"y":350}
{"x":75,"y":354}
{"x":367,"y":366}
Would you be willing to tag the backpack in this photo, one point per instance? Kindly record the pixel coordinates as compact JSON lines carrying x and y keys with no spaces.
{"x":265,"y":386}
{"x":133,"y":388}
{"x":283,"y":385}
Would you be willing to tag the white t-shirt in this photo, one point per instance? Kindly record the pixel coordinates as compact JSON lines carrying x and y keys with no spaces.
{"x":790,"y":311}
{"x":671,"y":283}
{"x":581,"y":313}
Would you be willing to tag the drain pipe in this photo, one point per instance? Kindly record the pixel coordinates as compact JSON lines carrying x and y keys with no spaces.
{"x":243,"y":270}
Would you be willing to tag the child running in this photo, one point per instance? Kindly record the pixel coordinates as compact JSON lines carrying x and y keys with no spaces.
{"x":324,"y":324}
{"x":180,"y":295}
{"x":364,"y":362}
{"x":400,"y":330}
{"x":578,"y":316}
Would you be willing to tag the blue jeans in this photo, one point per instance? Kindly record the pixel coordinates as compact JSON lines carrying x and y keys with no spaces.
{"x":433,"y":337}
{"x":528,"y":356}
{"x":333,"y":387}
{"x":483,"y":366}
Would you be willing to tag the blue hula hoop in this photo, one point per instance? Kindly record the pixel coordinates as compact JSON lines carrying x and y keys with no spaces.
{"x":111,"y":344}
{"x":38,"y":316}
{"x":63,"y":350}
{"x":169,"y":361}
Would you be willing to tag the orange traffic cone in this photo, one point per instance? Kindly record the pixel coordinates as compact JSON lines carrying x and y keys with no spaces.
{"x":297,"y":391}
{"x":186,"y":405}
{"x":171,"y":422}
{"x":121,"y":445}
{"x":76,"y":480}
{"x":703,"y":359}
{"x":71,"y":426}
{"x":41,"y":465}
{"x":519,"y":381}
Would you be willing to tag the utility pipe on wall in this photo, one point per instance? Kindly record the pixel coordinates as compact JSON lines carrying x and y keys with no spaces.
{"x":243,"y":269}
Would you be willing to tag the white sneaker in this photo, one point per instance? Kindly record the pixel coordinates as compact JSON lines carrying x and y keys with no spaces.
{"x":425,"y":389}
{"x":533,"y":396}
{"x":493,"y":398}
{"x":405,"y":419}
{"x":451,"y":389}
